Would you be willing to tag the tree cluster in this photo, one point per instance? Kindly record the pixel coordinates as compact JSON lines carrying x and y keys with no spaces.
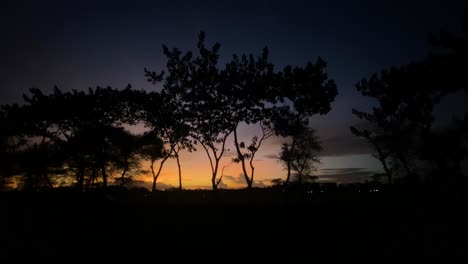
{"x":401,"y":126}
{"x":82,"y":136}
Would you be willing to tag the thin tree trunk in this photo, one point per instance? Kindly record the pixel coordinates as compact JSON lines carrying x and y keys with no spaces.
{"x":215,"y":173}
{"x":382,"y":158}
{"x":301,"y":171}
{"x":156,"y":176}
{"x":288,"y":177}
{"x":214,"y":184}
{"x":252,"y":168}
{"x":153,"y":188}
{"x":88,"y":181}
{"x":215,"y":159}
{"x":122,"y":177}
{"x":240,"y":156}
{"x":179,"y":170}
{"x":288,"y":163}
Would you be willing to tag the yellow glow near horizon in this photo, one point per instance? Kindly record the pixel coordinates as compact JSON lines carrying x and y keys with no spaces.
{"x":196,"y":171}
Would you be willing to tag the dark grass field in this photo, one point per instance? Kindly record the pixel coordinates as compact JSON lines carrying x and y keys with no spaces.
{"x":228,"y":226}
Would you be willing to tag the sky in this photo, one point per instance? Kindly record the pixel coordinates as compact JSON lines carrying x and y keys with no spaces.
{"x":81,"y":44}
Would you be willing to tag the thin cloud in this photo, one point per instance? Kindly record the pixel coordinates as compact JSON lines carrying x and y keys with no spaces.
{"x":341,"y":170}
{"x":345,"y":175}
{"x":271,"y":156}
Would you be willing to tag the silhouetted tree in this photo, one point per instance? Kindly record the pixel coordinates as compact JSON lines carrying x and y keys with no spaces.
{"x":406,"y":98}
{"x":291,"y":130}
{"x":401,"y":125}
{"x":378,"y":143}
{"x":11,"y":138}
{"x":277,"y":182}
{"x":249,"y":84}
{"x":39,"y":156}
{"x":194,"y":82}
{"x":153,"y":149}
{"x":445,"y":147}
{"x":216,"y":101}
{"x":127,"y":146}
{"x":301,"y":159}
{"x":166,"y":116}
{"x":449,"y":55}
{"x":93,"y":117}
{"x":83,"y":127}
{"x":307,"y":91}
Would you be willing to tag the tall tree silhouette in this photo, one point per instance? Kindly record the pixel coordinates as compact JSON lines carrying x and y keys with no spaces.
{"x":194,"y":82}
{"x":247,"y":91}
{"x":12,"y":138}
{"x":401,"y":124}
{"x":167,"y":117}
{"x":406,"y":98}
{"x":83,"y":125}
{"x":164,"y":117}
{"x":306,"y":91}
{"x":153,"y":149}
{"x":444,"y":147}
{"x":248,"y":83}
{"x":126,"y":147}
{"x":450,"y":57}
{"x":94,"y":118}
{"x":303,"y":157}
{"x":377,"y":141}
{"x":42,"y":135}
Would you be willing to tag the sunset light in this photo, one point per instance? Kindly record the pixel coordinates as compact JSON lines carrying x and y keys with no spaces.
{"x":296,"y":131}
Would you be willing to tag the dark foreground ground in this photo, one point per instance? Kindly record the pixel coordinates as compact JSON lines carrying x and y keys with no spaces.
{"x":229,"y":226}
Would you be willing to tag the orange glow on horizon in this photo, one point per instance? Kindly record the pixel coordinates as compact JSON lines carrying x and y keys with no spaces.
{"x":196,"y":172}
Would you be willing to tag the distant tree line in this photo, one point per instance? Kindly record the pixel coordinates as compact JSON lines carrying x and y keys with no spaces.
{"x":80,"y":136}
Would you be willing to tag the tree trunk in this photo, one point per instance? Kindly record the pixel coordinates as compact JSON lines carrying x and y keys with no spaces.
{"x":122,"y":178}
{"x":156,"y":176}
{"x":387,"y":170}
{"x":288,"y":163}
{"x":153,"y":188}
{"x":216,"y":157}
{"x":288,"y":177}
{"x":252,"y":171}
{"x":215,"y":183}
{"x":90,"y":181}
{"x":382,"y":158}
{"x":240,"y":156}
{"x":179,"y":170}
{"x":301,"y":171}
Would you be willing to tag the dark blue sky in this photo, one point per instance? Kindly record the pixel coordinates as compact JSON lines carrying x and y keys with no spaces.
{"x":81,"y":44}
{"x":76,"y":44}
